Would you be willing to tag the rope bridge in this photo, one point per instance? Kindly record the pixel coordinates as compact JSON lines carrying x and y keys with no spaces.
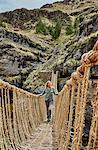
{"x":70,"y":108}
{"x":22,"y":112}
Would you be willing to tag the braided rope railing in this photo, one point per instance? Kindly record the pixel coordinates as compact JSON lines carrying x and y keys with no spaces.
{"x":20,"y":113}
{"x":93,"y":138}
{"x":70,"y":108}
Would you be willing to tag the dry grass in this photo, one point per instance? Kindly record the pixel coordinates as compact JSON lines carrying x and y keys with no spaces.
{"x":73,"y":8}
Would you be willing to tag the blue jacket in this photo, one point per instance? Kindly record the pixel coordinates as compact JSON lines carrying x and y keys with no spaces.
{"x":49,"y":94}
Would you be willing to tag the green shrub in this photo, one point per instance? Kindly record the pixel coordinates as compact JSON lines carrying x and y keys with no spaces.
{"x":55,"y":31}
{"x":41,"y":28}
{"x":78,"y":20}
{"x":72,"y":28}
{"x":50,"y":28}
{"x":69,"y":28}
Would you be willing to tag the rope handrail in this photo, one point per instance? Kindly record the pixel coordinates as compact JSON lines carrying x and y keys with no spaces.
{"x":20,"y":113}
{"x":11,"y":87}
{"x":70,"y":109}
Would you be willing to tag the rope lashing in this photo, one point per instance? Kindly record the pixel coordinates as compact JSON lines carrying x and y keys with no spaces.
{"x":93,"y":136}
{"x":22,"y":112}
{"x":76,"y":98}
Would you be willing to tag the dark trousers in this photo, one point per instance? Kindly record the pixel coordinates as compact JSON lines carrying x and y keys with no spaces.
{"x":48,"y":110}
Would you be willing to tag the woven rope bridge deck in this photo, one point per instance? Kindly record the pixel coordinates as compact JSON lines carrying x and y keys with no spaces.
{"x":41,"y":139}
{"x":22,"y":114}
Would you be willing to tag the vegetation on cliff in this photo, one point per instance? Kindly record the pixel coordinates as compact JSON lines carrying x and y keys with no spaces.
{"x":54,"y":31}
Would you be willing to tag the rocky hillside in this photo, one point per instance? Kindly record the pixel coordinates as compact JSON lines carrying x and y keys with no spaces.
{"x":30,"y":43}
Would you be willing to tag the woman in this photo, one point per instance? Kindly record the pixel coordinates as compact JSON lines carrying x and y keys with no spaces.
{"x":48,"y":92}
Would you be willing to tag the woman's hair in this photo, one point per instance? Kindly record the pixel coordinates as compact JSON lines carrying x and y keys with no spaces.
{"x":46,"y":85}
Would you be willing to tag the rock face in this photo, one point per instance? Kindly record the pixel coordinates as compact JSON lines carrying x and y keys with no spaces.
{"x":71,"y":1}
{"x":20,"y":39}
{"x":24,"y":54}
{"x":66,"y":1}
{"x":13,"y":65}
{"x":90,"y":25}
{"x":19,"y":16}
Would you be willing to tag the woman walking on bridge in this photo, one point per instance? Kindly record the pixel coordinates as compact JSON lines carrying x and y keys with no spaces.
{"x":48,"y":92}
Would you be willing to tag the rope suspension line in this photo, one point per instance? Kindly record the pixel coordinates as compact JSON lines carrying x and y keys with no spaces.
{"x":22,"y":112}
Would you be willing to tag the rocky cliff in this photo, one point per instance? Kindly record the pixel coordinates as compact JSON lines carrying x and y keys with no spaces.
{"x":25,"y":53}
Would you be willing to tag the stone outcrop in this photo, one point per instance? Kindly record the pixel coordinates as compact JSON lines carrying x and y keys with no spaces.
{"x":20,"y":39}
{"x":20,"y":16}
{"x":89,"y":25}
{"x":71,"y":1}
{"x":14,"y":65}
